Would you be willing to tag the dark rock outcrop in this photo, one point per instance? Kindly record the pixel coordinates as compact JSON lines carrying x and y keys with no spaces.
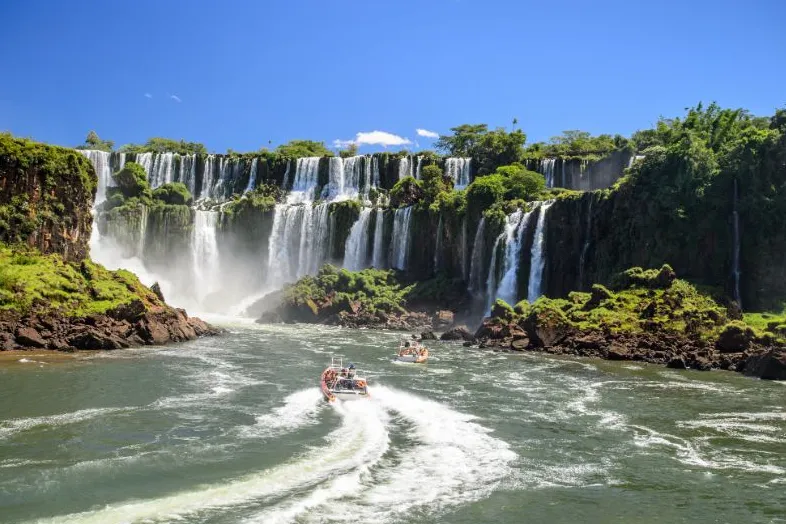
{"x":458,"y":333}
{"x":769,"y":364}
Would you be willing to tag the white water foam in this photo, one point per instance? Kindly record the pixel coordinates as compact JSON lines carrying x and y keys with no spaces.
{"x":355,"y":446}
{"x":299,"y":409}
{"x":13,"y":426}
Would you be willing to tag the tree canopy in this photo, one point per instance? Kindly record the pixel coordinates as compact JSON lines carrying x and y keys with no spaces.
{"x":93,"y":141}
{"x":303,"y":148}
{"x":166,"y":145}
{"x":488,"y":149}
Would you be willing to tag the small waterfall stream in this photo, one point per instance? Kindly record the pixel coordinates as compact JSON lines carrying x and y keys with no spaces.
{"x":378,"y":255}
{"x":204,"y":251}
{"x":438,"y":248}
{"x":459,"y":170}
{"x":356,"y":251}
{"x":252,"y":178}
{"x":538,"y":256}
{"x":399,"y":248}
{"x":585,"y":248}
{"x":476,"y":264}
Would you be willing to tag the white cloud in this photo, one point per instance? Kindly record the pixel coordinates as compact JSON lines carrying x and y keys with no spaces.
{"x":342,"y":143}
{"x":175,"y":98}
{"x":374,"y":138}
{"x":148,"y":95}
{"x":426,"y":133}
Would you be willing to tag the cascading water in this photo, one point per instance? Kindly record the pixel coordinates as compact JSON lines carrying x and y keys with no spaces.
{"x":285,"y":185}
{"x":356,"y":251}
{"x":207,"y":177}
{"x":459,"y":170}
{"x":146,"y":161}
{"x":515,"y":228}
{"x":476,"y":265}
{"x":161,"y":171}
{"x":736,"y":253}
{"x":538,"y":255}
{"x":305,"y":182}
{"x":464,"y":266}
{"x":378,"y":256}
{"x":547,"y":170}
{"x":375,"y":180}
{"x":399,"y":252}
{"x":204,"y":251}
{"x":417,"y":169}
{"x":404,"y":167}
{"x":252,"y":178}
{"x":491,"y":279}
{"x":101,"y":161}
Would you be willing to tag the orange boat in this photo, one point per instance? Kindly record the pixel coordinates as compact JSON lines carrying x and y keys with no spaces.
{"x":339,"y":382}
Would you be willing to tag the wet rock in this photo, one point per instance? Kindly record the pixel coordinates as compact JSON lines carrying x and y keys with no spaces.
{"x":618,"y":352}
{"x":457,"y":333}
{"x":677,"y":362}
{"x":29,"y":337}
{"x":769,"y":364}
{"x":156,"y":289}
{"x":519,"y":344}
{"x":734,"y":338}
{"x":428,"y":335}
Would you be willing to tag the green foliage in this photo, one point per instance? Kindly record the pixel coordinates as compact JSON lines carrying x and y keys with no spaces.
{"x":303,"y":148}
{"x":488,"y":149}
{"x":406,"y":191}
{"x":372,"y":290}
{"x":34,"y":283}
{"x":166,"y":145}
{"x":434,"y":182}
{"x":520,"y":183}
{"x":42,"y":186}
{"x":173,"y":193}
{"x":131,"y":182}
{"x":484,"y":192}
{"x":577,"y":144}
{"x":263,"y":198}
{"x":94,"y":142}
{"x":351,"y":150}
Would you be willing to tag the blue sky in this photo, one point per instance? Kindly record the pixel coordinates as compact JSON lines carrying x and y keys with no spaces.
{"x":248,"y":73}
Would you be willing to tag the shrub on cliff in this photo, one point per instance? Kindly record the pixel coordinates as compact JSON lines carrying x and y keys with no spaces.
{"x":93,"y":141}
{"x":131,"y":182}
{"x":165,"y":145}
{"x":406,"y":192}
{"x":521,"y":184}
{"x":173,"y":193}
{"x":484,"y":192}
{"x":303,"y":148}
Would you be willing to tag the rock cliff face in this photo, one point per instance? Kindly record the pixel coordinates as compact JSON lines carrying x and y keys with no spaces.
{"x":46,"y":194}
{"x":51,"y":294}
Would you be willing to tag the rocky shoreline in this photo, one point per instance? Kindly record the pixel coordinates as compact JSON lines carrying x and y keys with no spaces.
{"x":127,"y":326}
{"x":673,"y":351}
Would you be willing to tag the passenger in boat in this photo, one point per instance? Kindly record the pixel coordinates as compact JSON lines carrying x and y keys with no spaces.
{"x":343,"y":372}
{"x":351,"y":370}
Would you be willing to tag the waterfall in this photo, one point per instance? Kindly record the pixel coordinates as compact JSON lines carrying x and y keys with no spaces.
{"x":404,"y":167}
{"x":514,"y":232}
{"x":252,"y":178}
{"x":736,"y":253}
{"x":161,"y":171}
{"x":491,"y":280}
{"x":356,"y":251}
{"x":585,"y":249}
{"x":547,"y":170}
{"x":204,"y":250}
{"x":102,"y":165}
{"x":476,"y":264}
{"x":538,"y":256}
{"x":375,"y":180}
{"x":344,"y":178}
{"x":207,"y":178}
{"x":298,"y":242}
{"x":378,"y":257}
{"x":286,"y":176}
{"x":458,"y":169}
{"x":140,"y":249}
{"x":399,"y":252}
{"x":438,"y":249}
{"x":417,"y":169}
{"x":146,"y":161}
{"x":306,"y":180}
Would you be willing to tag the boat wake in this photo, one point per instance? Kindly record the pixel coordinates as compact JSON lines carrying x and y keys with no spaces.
{"x":391,"y":455}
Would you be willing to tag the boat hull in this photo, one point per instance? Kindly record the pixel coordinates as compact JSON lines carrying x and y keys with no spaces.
{"x":412,"y":359}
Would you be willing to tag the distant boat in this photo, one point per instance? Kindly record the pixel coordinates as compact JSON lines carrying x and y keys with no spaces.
{"x":412,"y":351}
{"x":339,"y":382}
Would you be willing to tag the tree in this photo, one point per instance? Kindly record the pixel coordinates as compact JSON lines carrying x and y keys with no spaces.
{"x":166,"y":145}
{"x":488,"y":149}
{"x":303,"y":148}
{"x":434,"y":182}
{"x":521,"y":183}
{"x":93,"y":141}
{"x":174,"y":193}
{"x":131,"y":182}
{"x":351,"y":150}
{"x":484,"y":192}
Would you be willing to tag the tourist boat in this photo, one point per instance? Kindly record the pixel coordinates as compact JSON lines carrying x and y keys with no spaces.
{"x":412,"y":351}
{"x":339,"y":382}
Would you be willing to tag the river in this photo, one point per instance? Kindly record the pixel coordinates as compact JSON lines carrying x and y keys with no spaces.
{"x":233,"y":430}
